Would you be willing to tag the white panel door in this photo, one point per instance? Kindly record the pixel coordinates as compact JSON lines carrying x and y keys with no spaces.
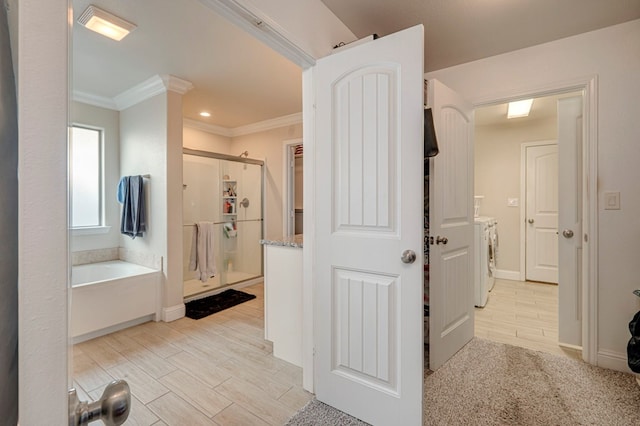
{"x":542,"y":213}
{"x":451,"y":224}
{"x":570,"y":220}
{"x":369,"y":198}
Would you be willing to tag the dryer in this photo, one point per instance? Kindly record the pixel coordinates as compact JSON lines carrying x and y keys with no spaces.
{"x":484,"y":269}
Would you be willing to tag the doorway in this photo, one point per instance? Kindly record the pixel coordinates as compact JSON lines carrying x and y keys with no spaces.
{"x":524,"y":306}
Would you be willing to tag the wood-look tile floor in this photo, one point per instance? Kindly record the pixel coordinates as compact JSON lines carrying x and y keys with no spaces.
{"x":218,"y":370}
{"x":522,"y":313}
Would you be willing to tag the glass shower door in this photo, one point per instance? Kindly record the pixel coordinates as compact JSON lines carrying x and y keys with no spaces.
{"x":228,"y":193}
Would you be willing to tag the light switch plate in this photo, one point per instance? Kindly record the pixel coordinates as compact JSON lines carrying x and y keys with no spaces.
{"x":612,"y":201}
{"x":512,"y":202}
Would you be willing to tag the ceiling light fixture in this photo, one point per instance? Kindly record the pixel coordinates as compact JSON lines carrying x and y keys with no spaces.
{"x":105,"y":23}
{"x":519,"y":108}
{"x":205,"y":114}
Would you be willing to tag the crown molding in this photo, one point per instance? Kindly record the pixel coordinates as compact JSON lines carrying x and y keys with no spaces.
{"x":175,"y":84}
{"x":95,"y":100}
{"x":206,"y":127}
{"x":149,"y":88}
{"x":274,"y":123}
{"x":143,"y":91}
{"x":261,"y":126}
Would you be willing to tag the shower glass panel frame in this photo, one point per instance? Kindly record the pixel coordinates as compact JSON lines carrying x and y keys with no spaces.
{"x":219,"y":184}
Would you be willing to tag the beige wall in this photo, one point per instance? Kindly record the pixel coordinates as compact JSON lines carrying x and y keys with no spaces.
{"x":205,"y":141}
{"x":497,"y":177}
{"x":268,"y":146}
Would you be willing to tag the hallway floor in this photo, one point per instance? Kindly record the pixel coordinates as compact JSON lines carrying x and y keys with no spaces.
{"x":215,"y":371}
{"x":522,"y":313}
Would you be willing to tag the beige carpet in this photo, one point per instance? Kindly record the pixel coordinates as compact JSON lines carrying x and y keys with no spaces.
{"x":489,"y":383}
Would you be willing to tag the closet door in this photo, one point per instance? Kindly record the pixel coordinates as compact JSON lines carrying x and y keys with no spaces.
{"x":451,"y":226}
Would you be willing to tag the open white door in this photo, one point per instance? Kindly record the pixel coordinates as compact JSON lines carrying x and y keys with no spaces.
{"x":570,"y":220}
{"x":369,"y":198}
{"x":450,"y":225}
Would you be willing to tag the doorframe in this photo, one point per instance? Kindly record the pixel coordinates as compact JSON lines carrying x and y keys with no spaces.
{"x":589,"y":87}
{"x":523,"y":203}
{"x":288,"y":180}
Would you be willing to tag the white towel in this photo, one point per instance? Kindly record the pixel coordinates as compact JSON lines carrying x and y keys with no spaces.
{"x":202,"y":257}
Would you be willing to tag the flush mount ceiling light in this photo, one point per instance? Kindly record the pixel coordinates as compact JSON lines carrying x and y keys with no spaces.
{"x":105,"y":23}
{"x":205,"y":114}
{"x":519,"y":108}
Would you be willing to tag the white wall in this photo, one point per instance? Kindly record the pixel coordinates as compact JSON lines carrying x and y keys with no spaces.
{"x":109,"y":121}
{"x":612,"y":55}
{"x":497,"y":177}
{"x":151,"y":143}
{"x":43,"y":94}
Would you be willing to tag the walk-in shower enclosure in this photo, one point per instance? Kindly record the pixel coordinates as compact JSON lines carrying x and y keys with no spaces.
{"x":227,"y":191}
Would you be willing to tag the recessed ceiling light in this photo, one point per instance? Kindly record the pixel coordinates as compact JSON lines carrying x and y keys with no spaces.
{"x":205,"y":114}
{"x":519,"y":108}
{"x":105,"y":23}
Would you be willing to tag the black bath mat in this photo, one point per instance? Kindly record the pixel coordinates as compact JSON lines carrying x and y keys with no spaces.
{"x":201,"y":308}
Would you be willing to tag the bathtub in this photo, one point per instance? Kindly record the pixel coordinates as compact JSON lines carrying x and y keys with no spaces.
{"x":109,"y":296}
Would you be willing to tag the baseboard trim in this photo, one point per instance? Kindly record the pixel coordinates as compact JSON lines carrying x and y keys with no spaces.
{"x":173,"y":313}
{"x":504,"y":274}
{"x":613,"y":361}
{"x":237,"y":286}
{"x":112,"y":329}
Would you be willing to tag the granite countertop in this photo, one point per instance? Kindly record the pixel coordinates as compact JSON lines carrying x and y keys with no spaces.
{"x":294,"y":241}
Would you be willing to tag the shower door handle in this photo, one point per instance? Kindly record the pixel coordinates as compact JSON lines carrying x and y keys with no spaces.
{"x":112,"y":408}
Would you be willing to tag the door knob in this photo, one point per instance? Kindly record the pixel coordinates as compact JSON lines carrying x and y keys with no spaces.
{"x":443,"y":240}
{"x":567,"y":233}
{"x":531,"y":221}
{"x":112,"y":408}
{"x":408,"y":256}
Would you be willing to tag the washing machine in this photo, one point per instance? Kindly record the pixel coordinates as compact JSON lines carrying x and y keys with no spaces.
{"x":485,"y":238}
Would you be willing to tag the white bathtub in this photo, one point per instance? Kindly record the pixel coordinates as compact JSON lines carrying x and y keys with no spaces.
{"x":108,"y":296}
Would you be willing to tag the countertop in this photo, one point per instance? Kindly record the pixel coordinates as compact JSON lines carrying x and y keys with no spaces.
{"x":294,"y":241}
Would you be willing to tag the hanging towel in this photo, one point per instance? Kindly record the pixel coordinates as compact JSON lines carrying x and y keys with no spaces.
{"x":202,"y":257}
{"x":133,"y":221}
{"x":122,"y":185}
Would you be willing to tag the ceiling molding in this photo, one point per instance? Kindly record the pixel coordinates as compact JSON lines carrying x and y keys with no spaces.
{"x":274,"y":123}
{"x":206,"y":127}
{"x":261,"y":126}
{"x":149,"y":88}
{"x":95,"y":100}
{"x":263,"y":28}
{"x":175,"y":84}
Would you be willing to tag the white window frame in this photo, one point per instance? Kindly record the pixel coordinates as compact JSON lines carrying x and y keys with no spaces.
{"x":101,"y":227}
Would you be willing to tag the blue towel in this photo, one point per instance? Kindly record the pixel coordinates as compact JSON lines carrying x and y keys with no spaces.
{"x":124,"y":182}
{"x":133,"y":221}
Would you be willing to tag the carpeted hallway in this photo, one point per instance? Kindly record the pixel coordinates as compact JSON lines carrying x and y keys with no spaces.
{"x":489,"y":383}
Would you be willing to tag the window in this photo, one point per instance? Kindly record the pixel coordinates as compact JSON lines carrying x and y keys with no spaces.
{"x":86,"y":177}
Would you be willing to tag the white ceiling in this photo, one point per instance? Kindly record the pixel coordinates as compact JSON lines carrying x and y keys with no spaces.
{"x":236,"y":78}
{"x":241,"y":81}
{"x":459,"y":31}
{"x":541,"y":109}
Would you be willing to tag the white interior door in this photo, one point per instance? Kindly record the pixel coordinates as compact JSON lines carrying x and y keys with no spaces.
{"x":542,"y":213}
{"x":570,"y":220}
{"x":451,"y":266}
{"x":369,"y":198}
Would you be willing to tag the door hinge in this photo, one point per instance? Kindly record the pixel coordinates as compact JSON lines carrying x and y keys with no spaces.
{"x":586,"y":238}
